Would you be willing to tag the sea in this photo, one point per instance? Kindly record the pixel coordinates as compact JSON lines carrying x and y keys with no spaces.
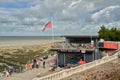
{"x":27,"y":40}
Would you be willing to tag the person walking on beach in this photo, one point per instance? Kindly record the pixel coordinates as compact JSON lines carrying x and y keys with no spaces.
{"x":44,"y":64}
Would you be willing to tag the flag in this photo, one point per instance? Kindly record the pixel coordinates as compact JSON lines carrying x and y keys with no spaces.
{"x":48,"y":25}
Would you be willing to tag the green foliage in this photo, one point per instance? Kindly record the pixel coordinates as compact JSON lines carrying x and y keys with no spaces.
{"x":2,"y":67}
{"x":112,"y":34}
{"x":20,"y":57}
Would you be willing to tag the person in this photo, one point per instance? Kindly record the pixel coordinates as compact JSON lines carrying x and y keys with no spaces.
{"x":53,"y":68}
{"x":53,"y":65}
{"x":11,"y":70}
{"x":53,"y":62}
{"x":44,"y":64}
{"x":34,"y":63}
{"x":7,"y":74}
{"x":28,"y":66}
{"x":37,"y":63}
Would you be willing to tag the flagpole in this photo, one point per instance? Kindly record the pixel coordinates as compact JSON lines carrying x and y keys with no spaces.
{"x":49,"y":25}
{"x":52,"y":35}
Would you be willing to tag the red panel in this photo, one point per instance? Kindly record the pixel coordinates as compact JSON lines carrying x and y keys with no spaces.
{"x":110,"y":45}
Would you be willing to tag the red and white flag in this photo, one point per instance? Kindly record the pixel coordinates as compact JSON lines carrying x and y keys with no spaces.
{"x":48,"y":25}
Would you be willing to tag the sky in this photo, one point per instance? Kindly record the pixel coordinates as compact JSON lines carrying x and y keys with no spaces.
{"x":69,"y":17}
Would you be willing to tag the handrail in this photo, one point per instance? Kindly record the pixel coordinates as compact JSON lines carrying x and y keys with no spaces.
{"x":68,"y":72}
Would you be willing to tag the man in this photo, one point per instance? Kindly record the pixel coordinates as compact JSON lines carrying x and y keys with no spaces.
{"x":44,"y":64}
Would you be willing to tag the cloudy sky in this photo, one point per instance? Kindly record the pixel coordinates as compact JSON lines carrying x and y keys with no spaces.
{"x":69,"y":17}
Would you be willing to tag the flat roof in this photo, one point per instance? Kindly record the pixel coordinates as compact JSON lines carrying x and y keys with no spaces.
{"x":81,"y":36}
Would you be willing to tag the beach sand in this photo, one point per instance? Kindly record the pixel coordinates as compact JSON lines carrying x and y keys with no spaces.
{"x":25,"y":43}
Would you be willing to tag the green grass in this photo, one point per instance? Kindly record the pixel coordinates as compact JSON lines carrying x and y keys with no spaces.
{"x":21,"y":57}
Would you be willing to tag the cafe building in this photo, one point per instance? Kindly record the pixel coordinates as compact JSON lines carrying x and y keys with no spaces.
{"x":75,"y":48}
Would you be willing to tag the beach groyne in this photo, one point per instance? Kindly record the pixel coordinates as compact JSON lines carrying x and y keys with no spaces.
{"x":69,"y":72}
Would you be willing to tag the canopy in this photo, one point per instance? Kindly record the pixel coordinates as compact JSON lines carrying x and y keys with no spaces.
{"x":81,"y":62}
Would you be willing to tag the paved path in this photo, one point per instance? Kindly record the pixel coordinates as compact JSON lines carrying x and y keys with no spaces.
{"x":30,"y":74}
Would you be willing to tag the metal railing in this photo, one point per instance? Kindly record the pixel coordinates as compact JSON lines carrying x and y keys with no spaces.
{"x":63,"y":45}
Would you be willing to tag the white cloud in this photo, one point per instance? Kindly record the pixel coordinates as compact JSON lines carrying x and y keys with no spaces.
{"x":107,"y":14}
{"x":74,"y":3}
{"x":68,"y":16}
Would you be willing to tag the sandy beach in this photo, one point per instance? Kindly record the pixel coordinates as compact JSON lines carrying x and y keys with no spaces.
{"x":25,"y":43}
